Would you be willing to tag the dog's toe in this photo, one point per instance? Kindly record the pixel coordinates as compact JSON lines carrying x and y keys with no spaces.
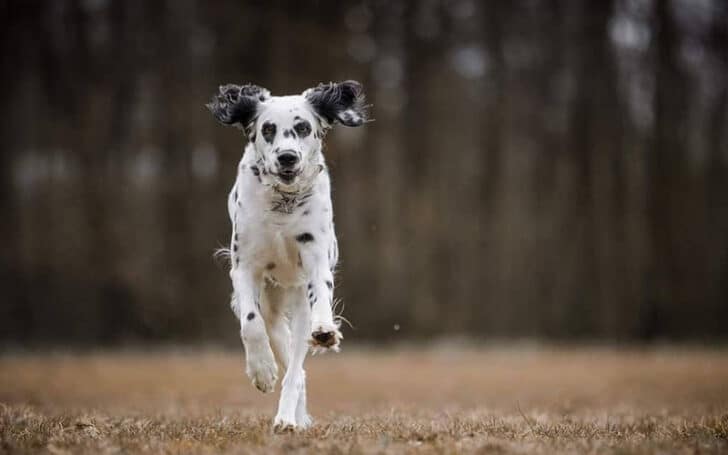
{"x":282,"y":426}
{"x":262,"y":370}
{"x":304,"y":421}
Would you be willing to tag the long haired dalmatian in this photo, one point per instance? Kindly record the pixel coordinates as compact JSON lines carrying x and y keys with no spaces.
{"x":283,"y":249}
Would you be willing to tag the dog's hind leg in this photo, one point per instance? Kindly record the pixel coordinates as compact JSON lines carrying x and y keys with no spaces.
{"x":278,"y":324}
{"x":272,"y":304}
{"x":303,"y":419}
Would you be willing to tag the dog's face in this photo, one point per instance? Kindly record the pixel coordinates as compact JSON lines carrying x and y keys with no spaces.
{"x":287,"y":131}
{"x":287,"y":137}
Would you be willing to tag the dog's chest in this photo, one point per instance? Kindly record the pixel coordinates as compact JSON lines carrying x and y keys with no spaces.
{"x":279,"y":259}
{"x":272,"y":228}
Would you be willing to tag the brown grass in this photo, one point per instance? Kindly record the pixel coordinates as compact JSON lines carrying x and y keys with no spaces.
{"x":424,"y":401}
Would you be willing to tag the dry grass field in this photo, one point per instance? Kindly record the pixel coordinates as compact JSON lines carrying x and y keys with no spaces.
{"x":490,"y":400}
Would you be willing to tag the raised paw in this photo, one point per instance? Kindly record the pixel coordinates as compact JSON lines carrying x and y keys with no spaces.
{"x":261,"y":368}
{"x":325,"y":337}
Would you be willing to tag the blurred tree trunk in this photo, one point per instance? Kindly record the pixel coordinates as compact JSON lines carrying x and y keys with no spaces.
{"x":389,"y":175}
{"x":420,"y":207}
{"x":665,"y":166}
{"x":608,"y":149}
{"x":14,"y":312}
{"x":716,"y":180}
{"x":584,"y":130}
{"x":492,"y":114}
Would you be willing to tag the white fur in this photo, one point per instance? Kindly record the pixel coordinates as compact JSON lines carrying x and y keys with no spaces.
{"x":277,"y":269}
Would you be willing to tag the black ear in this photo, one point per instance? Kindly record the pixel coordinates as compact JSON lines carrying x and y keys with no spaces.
{"x":237,"y":104}
{"x":341,"y":102}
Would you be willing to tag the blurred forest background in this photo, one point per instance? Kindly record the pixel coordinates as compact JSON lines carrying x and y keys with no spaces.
{"x":552,"y":169}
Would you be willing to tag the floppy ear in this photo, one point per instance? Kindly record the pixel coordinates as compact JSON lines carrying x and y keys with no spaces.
{"x":237,"y":104}
{"x":341,"y":102}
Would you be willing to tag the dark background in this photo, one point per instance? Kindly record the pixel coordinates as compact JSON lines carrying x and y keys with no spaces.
{"x":552,"y":170}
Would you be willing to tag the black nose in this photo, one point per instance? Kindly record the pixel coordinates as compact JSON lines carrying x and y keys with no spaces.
{"x":287,"y":159}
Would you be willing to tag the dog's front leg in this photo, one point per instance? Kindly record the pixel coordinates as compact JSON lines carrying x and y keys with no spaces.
{"x":325,"y":332}
{"x":292,"y":413}
{"x":260,"y":365}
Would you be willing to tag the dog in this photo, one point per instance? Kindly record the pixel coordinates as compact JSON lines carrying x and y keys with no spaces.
{"x":283,"y":250}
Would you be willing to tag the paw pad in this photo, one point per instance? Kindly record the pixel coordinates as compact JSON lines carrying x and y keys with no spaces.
{"x":325,"y":339}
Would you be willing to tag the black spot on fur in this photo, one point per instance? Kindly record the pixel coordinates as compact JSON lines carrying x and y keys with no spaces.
{"x":329,"y":284}
{"x":255,"y":170}
{"x":305,"y":237}
{"x":270,"y":266}
{"x":289,"y":133}
{"x":235,"y":236}
{"x":341,"y":102}
{"x":251,"y":315}
{"x":310,"y":285}
{"x":268,"y":130}
{"x":235,"y":195}
{"x":235,"y":247}
{"x":303,"y":128}
{"x":306,"y":212}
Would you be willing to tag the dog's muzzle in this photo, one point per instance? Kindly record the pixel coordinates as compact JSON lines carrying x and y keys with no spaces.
{"x":287,"y":166}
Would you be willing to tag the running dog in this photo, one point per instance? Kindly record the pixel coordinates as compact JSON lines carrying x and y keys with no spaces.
{"x":283,"y":248}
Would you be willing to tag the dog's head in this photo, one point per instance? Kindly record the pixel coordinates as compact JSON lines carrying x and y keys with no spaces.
{"x":287,"y":131}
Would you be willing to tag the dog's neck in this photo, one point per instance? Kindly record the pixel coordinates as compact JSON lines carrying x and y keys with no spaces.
{"x":286,"y":203}
{"x":286,"y":200}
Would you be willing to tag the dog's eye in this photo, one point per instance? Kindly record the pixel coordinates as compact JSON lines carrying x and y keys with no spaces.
{"x":303,"y":129}
{"x":268,"y":131}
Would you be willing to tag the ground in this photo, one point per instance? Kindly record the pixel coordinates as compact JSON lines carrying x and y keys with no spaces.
{"x":398,"y":400}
